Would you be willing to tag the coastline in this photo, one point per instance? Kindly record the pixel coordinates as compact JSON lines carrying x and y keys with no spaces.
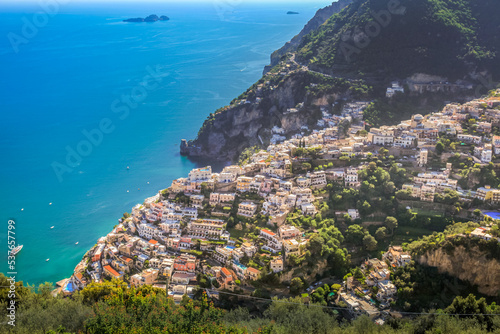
{"x":91,"y":198}
{"x":275,"y":164}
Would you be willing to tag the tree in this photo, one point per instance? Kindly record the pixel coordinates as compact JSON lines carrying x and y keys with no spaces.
{"x":357,"y":273}
{"x":315,"y":244}
{"x":383,"y":152}
{"x":404,"y":194}
{"x":365,"y":208}
{"x":355,"y":234}
{"x":369,"y":242}
{"x":439,"y":148}
{"x":296,"y":285}
{"x":391,"y":223}
{"x":293,"y":260}
{"x":336,"y":287}
{"x":306,"y":166}
{"x":344,"y":126}
{"x":381,"y":233}
{"x":470,"y":306}
{"x":292,"y":316}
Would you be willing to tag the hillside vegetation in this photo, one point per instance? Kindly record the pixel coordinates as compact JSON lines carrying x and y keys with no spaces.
{"x":115,"y":309}
{"x":449,"y":38}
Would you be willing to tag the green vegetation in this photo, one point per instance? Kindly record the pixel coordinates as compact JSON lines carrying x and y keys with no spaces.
{"x":407,"y":42}
{"x":385,"y":111}
{"x":247,"y":154}
{"x":422,"y":288}
{"x":323,"y":85}
{"x":449,"y":240}
{"x":116,"y":309}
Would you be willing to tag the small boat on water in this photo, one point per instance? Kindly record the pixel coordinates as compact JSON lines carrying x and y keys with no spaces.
{"x":47,"y":260}
{"x":16,"y":250}
{"x":76,"y":243}
{"x":52,"y":227}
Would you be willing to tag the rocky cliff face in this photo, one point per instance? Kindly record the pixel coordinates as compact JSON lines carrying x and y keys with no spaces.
{"x":470,"y":265}
{"x":319,"y":18}
{"x":230,"y":131}
{"x":248,"y":123}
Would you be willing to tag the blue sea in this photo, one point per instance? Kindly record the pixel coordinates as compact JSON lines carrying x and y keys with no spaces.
{"x":84,"y":96}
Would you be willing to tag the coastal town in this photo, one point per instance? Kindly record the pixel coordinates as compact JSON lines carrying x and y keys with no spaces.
{"x":262,"y":222}
{"x":241,"y":167}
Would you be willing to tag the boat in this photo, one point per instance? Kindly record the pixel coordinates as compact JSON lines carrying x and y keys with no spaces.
{"x":52,"y":227}
{"x":47,"y":260}
{"x":16,"y":250}
{"x":76,"y":243}
{"x":50,"y":203}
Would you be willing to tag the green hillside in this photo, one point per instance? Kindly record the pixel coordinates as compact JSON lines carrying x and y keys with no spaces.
{"x":390,"y":38}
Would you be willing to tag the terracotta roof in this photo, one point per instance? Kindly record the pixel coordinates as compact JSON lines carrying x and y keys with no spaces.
{"x":111,"y":270}
{"x":253,"y":270}
{"x":226,"y":272}
{"x":154,"y":242}
{"x":268,"y":232}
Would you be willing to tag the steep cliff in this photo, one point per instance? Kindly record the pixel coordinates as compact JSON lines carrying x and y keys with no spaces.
{"x":374,"y":41}
{"x":319,"y":18}
{"x":288,"y":101}
{"x":466,"y":263}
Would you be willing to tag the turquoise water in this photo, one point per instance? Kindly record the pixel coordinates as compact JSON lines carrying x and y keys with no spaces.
{"x":66,"y":78}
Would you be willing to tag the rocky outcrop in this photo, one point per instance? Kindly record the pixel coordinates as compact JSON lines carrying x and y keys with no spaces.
{"x":319,"y":268}
{"x":248,"y":123}
{"x":150,"y":18}
{"x":468,"y":264}
{"x":230,"y":131}
{"x":319,"y":18}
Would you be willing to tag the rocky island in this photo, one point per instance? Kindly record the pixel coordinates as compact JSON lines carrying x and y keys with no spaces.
{"x":150,"y":18}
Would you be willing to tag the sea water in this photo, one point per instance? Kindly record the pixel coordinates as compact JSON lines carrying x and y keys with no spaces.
{"x":71,"y":136}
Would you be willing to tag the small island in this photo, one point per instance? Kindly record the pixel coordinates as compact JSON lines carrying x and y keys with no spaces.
{"x":150,"y":18}
{"x":291,"y":12}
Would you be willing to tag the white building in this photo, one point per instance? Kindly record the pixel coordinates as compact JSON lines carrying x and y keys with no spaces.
{"x":318,"y":179}
{"x":247,"y":209}
{"x":395,"y":88}
{"x":200,"y":174}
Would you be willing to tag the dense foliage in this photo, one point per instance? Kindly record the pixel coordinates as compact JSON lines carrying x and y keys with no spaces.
{"x":421,"y":288}
{"x":399,"y":38}
{"x":117,"y":309}
{"x":452,"y":238}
